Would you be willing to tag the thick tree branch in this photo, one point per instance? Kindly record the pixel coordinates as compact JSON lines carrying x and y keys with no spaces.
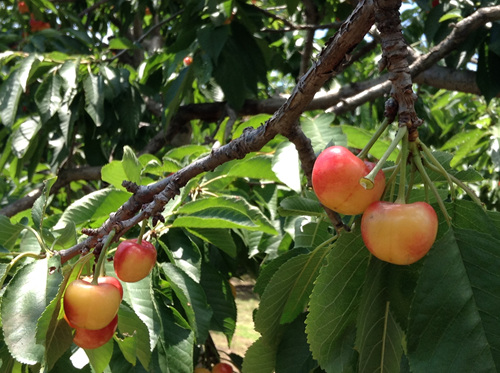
{"x":150,"y":200}
{"x":395,"y":58}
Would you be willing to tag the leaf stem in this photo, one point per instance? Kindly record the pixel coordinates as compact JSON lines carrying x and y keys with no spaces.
{"x":385,"y":123}
{"x":14,"y":261}
{"x":40,"y":240}
{"x":368,"y":181}
{"x":100,"y":262}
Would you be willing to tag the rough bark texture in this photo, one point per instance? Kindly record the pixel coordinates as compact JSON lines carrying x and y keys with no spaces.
{"x":395,"y":59}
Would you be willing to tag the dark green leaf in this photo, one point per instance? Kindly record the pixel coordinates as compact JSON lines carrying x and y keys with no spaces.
{"x":260,"y":357}
{"x":25,"y":136}
{"x":9,"y":232}
{"x":10,"y":92}
{"x":220,"y":300}
{"x":297,"y":206}
{"x":379,"y":337}
{"x":94,"y":99}
{"x":335,"y":302}
{"x":24,"y":301}
{"x":193,"y":299}
{"x":48,"y":96}
{"x":454,"y":319}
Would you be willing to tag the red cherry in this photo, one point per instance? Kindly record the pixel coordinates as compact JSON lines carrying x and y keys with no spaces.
{"x":188,"y":60}
{"x":90,"y":339}
{"x":133,"y":261}
{"x":399,"y":233}
{"x":335,"y":179}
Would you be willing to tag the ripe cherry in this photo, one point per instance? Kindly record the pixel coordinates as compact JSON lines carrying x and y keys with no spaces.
{"x":134,"y":261}
{"x":335,"y":179}
{"x":201,"y":370}
{"x":91,"y":306}
{"x":222,"y":368}
{"x":399,"y":233}
{"x":23,"y":7}
{"x":90,"y":339}
{"x":188,"y":60}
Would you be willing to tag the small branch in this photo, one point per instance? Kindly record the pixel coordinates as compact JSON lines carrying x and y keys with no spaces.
{"x":92,"y":8}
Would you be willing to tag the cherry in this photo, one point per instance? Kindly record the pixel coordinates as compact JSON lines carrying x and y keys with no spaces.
{"x":91,"y":306}
{"x":90,"y":339}
{"x":134,"y":261}
{"x":222,"y":368}
{"x":335,"y":179}
{"x":188,"y":60}
{"x":399,"y":233}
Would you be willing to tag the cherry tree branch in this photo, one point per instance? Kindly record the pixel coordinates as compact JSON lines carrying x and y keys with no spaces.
{"x":149,"y":201}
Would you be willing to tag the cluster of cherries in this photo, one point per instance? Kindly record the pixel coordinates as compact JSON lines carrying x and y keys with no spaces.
{"x":35,"y":24}
{"x":397,"y":233}
{"x":91,"y":305}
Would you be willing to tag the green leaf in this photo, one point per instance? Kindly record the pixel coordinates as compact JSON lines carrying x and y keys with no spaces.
{"x":183,"y":252}
{"x":287,"y":294}
{"x":135,"y":343}
{"x":9,"y":232}
{"x":335,"y":302}
{"x":139,"y":296}
{"x":488,"y":76}
{"x":223,"y":212}
{"x":253,"y":167}
{"x":93,"y":87}
{"x":297,"y":206}
{"x":93,"y":206}
{"x":193,"y":299}
{"x":358,"y":138}
{"x":23,"y":303}
{"x":455,"y":312}
{"x":54,"y":333}
{"x":129,"y":168}
{"x":25,"y":136}
{"x":220,"y":238}
{"x":121,"y":43}
{"x":31,"y":61}
{"x":286,"y":166}
{"x":293,"y":353}
{"x":313,"y":234}
{"x":268,"y":270}
{"x":322,"y":133}
{"x":176,"y":344}
{"x":260,"y":357}
{"x":212,"y":39}
{"x":10,"y":92}
{"x":220,"y":300}
{"x":452,"y":14}
{"x":100,"y":357}
{"x":39,"y":206}
{"x":379,"y":337}
{"x":48,"y":97}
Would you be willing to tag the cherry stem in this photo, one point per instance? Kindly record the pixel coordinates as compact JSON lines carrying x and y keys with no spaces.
{"x":99,"y":267}
{"x":412,"y":181}
{"x":427,"y":181}
{"x":141,"y":233}
{"x":402,"y":170}
{"x":439,"y":167}
{"x":368,"y":181}
{"x":392,"y":179}
{"x":380,"y":130}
